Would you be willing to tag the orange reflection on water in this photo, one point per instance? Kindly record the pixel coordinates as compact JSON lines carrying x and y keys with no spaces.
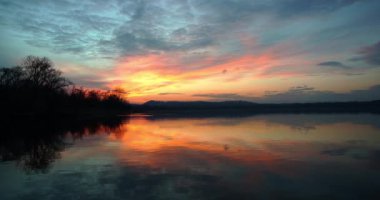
{"x":246,"y":140}
{"x":243,"y":153}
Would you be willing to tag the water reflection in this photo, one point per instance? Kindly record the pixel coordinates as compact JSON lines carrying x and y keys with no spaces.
{"x":36,"y":144}
{"x":257,"y":157}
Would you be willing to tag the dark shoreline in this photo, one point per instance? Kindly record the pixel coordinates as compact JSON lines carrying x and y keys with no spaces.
{"x":207,"y":109}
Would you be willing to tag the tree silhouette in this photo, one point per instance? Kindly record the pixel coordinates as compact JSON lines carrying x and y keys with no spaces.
{"x":41,"y":74}
{"x":36,"y":87}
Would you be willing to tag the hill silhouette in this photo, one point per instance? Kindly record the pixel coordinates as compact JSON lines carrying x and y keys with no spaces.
{"x":241,"y":107}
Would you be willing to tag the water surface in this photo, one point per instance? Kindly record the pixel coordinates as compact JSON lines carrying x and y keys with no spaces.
{"x":150,"y":157}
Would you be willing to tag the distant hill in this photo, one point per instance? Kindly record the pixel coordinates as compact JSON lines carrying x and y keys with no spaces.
{"x":198,"y":104}
{"x":245,"y":106}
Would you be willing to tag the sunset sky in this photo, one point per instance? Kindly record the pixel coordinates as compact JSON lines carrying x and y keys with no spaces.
{"x":211,"y":50}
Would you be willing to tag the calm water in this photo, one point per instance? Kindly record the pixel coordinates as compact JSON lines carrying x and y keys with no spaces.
{"x":257,"y":157}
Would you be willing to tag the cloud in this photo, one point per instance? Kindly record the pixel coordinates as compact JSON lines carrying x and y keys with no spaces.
{"x":230,"y":11}
{"x":89,"y":83}
{"x":336,"y":67}
{"x":183,"y":45}
{"x":370,"y":54}
{"x":334,"y":64}
{"x":114,"y":28}
{"x":148,"y":31}
{"x":309,"y":94}
{"x":198,"y":24}
{"x":300,"y":7}
{"x":61,"y":26}
{"x":303,"y":88}
{"x":300,"y":94}
{"x":223,"y":96}
{"x":170,"y":93}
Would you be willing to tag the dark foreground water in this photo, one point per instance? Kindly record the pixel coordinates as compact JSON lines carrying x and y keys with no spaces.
{"x":257,"y":157}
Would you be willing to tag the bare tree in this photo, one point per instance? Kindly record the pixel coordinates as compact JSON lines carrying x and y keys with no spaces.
{"x":40,"y":73}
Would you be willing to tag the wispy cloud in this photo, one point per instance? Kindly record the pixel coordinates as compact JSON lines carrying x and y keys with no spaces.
{"x":370,"y":54}
{"x":301,"y":94}
{"x":167,"y":47}
{"x":334,"y":64}
{"x":170,"y":93}
{"x":224,"y":96}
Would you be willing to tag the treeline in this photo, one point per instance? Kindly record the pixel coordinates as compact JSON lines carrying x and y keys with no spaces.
{"x":37,"y":88}
{"x":244,"y":108}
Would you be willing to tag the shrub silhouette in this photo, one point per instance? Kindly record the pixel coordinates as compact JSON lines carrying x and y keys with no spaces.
{"x":36,"y":88}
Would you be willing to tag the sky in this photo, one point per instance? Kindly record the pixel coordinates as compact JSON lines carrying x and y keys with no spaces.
{"x":214,"y":50}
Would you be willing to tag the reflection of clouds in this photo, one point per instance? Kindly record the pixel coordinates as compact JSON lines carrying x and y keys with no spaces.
{"x":302,"y":120}
{"x":220,"y":122}
{"x":335,"y":151}
{"x":188,"y":173}
{"x":187,"y":159}
{"x":290,"y":120}
{"x":359,"y":150}
{"x":304,"y":129}
{"x":251,"y":139}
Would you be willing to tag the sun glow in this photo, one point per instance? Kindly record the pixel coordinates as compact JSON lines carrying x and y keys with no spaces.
{"x":172,"y":76}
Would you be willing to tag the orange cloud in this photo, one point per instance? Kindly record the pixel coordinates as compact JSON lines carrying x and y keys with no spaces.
{"x":147,"y":75}
{"x":179,"y":75}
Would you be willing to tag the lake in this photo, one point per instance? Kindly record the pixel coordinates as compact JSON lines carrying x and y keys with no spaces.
{"x":274,"y":156}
